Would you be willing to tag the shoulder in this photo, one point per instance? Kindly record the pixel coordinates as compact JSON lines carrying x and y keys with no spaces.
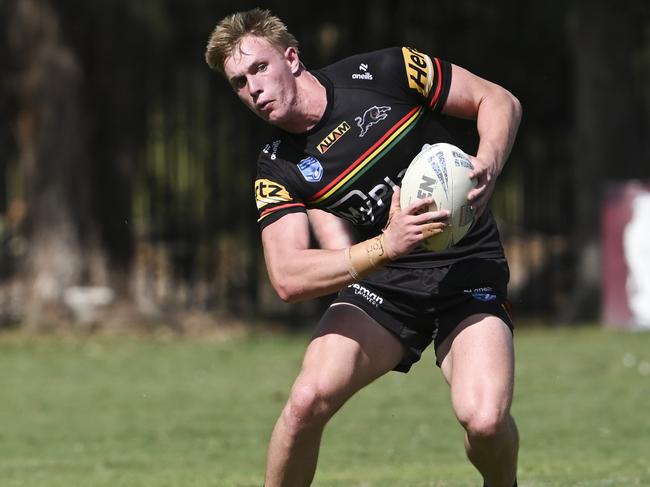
{"x":404,"y":70}
{"x":364,"y":66}
{"x":278,"y":150}
{"x":277,"y":186}
{"x":283,"y":161}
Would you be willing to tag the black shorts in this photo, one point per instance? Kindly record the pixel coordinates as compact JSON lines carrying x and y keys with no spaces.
{"x":424,"y":305}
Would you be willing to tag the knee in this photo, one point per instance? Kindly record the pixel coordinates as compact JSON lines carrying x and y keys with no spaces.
{"x":483,"y":422}
{"x":308,"y":406}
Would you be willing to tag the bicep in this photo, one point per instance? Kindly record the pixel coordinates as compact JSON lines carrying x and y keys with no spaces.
{"x":466,"y":93}
{"x":331,"y":231}
{"x":282,"y":238}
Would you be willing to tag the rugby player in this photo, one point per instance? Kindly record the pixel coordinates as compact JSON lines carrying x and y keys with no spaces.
{"x":344,"y":135}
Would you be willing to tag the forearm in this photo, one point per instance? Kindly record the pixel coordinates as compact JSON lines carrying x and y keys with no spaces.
{"x":309,"y":273}
{"x":497,"y":121}
{"x":330,"y":231}
{"x":298,"y":272}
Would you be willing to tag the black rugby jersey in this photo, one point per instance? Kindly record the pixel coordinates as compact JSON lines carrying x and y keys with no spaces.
{"x":381,"y":108}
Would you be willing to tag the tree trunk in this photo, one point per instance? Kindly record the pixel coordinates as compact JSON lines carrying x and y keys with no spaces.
{"x":62,"y":245}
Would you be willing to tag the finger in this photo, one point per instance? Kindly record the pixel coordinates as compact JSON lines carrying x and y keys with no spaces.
{"x":477,"y":207}
{"x":477,"y":167}
{"x":431,"y":229}
{"x":431,"y":216}
{"x":476,"y":193}
{"x":421,"y":205}
{"x":394,"y":206}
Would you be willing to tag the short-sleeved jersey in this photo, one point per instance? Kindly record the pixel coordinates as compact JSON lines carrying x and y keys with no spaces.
{"x":381,"y":108}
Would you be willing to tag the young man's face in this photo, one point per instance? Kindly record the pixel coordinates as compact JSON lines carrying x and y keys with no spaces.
{"x":263,"y":78}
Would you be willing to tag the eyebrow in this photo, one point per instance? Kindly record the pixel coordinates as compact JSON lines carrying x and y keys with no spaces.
{"x":247,"y":69}
{"x":235,"y":79}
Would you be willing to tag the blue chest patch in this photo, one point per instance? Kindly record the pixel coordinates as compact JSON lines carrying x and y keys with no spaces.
{"x":311,"y":169}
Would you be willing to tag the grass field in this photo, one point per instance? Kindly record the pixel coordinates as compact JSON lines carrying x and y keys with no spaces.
{"x":155,"y":411}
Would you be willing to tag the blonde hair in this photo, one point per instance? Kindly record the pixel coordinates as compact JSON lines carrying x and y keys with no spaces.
{"x":227,"y":35}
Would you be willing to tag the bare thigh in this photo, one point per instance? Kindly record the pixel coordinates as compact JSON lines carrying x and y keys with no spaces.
{"x":348,"y":351}
{"x":477,"y":360}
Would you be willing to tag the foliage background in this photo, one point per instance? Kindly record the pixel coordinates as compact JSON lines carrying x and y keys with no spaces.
{"x":126,"y":164}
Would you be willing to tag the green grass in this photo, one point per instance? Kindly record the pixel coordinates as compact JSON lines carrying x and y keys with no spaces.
{"x":127,"y":411}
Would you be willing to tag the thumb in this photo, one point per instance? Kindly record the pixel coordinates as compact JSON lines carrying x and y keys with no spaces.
{"x":394,"y":202}
{"x":394,"y":206}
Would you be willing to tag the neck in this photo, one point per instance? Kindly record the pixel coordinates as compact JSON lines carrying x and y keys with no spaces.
{"x":310,"y":104}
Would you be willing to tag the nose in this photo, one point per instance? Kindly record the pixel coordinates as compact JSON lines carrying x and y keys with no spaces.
{"x":254,"y":87}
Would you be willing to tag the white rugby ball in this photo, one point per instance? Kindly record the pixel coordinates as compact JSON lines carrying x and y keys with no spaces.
{"x":442,"y":172}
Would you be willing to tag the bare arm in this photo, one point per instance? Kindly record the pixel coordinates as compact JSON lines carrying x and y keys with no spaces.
{"x":331,"y":231}
{"x":298,"y":272}
{"x":497,"y":113}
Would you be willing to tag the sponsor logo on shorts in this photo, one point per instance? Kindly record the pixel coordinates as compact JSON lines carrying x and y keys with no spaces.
{"x":311,"y":169}
{"x":269,"y":192}
{"x":333,"y":137}
{"x":370,"y":117}
{"x":484,"y":294}
{"x":366,"y":294}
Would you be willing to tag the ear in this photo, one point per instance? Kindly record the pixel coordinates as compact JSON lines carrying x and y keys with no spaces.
{"x":291,"y":56}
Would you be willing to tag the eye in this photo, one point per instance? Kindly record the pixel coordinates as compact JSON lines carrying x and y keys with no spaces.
{"x":262,"y":67}
{"x":239,"y":83}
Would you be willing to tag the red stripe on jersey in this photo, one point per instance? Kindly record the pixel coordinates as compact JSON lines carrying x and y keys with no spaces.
{"x":438,"y":75}
{"x":365,"y":154}
{"x":275,"y":208}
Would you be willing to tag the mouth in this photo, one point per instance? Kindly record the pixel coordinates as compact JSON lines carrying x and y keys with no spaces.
{"x":263,"y":106}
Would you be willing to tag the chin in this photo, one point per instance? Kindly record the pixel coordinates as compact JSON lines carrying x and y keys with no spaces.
{"x":274,"y":118}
